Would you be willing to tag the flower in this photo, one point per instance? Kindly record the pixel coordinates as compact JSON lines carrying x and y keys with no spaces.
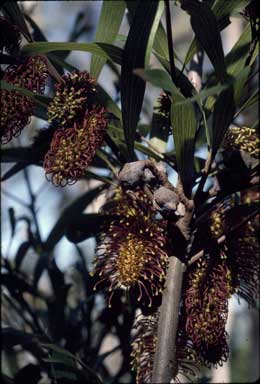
{"x":242,"y":138}
{"x":32,"y":74}
{"x":72,"y":149}
{"x":207,"y":290}
{"x":71,"y":99}
{"x":143,"y":346}
{"x":131,"y":253}
{"x":242,"y":257}
{"x":16,"y":108}
{"x":10,"y":36}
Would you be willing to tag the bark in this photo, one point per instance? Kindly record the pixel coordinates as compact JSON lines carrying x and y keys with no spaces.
{"x":165,"y":362}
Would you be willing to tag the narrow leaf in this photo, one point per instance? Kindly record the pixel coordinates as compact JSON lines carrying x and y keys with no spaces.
{"x":12,"y":9}
{"x":110,"y":19}
{"x":134,"y":56}
{"x":107,"y":51}
{"x":11,"y":214}
{"x":70,"y":213}
{"x":205,"y":26}
{"x":183,"y":123}
{"x":223,"y":114}
{"x":236,"y":58}
{"x":21,"y":253}
{"x":13,"y":171}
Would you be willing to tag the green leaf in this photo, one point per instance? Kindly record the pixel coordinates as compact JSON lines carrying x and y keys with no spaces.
{"x":253,"y":99}
{"x":236,"y":58}
{"x":239,"y":84}
{"x":110,"y":19}
{"x":154,"y":36}
{"x":134,"y":56}
{"x":222,"y":10}
{"x":223,"y":114}
{"x":38,"y":99}
{"x":183,"y":123}
{"x":70,"y":213}
{"x":107,"y":51}
{"x":59,"y":350}
{"x":158,"y":77}
{"x":160,"y":42}
{"x":205,"y":26}
{"x":105,"y":99}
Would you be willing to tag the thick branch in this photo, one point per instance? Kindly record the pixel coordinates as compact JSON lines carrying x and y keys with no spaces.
{"x":164,"y":362}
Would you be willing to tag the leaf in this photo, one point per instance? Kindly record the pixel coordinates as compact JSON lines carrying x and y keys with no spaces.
{"x":59,"y":350}
{"x":12,"y":9}
{"x":12,"y":219}
{"x":24,"y":155}
{"x":225,"y":8}
{"x":223,"y":114}
{"x":22,"y":250}
{"x":110,"y":19}
{"x":105,"y":99}
{"x":205,"y":26}
{"x":253,"y":99}
{"x":160,"y":128}
{"x":183,"y":123}
{"x":107,"y":51}
{"x":157,"y":77}
{"x":70,"y":213}
{"x":12,"y":337}
{"x":222,"y":10}
{"x":134,"y":56}
{"x":235,"y":60}
{"x":239,"y":84}
{"x":85,"y":226}
{"x":13,"y":171}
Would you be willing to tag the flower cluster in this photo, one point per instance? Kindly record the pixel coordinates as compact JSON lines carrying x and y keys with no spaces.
{"x":71,"y":98}
{"x":17,"y":108}
{"x":242,"y":138}
{"x":242,"y":258}
{"x":80,"y":128}
{"x":131,"y":252}
{"x":143,"y":346}
{"x":72,"y":149}
{"x":208,"y":287}
{"x":10,"y":36}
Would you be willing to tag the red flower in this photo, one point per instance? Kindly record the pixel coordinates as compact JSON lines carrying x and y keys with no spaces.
{"x":72,"y":149}
{"x":16,"y":108}
{"x":131,"y":253}
{"x":71,"y":99}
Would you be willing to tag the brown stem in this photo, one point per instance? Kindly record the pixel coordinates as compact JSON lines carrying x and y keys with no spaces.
{"x":164,"y":367}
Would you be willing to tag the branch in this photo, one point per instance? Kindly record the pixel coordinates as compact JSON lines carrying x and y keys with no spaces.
{"x":164,"y":367}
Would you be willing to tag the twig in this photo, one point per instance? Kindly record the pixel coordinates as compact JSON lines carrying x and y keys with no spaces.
{"x":164,"y":361}
{"x":32,"y":204}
